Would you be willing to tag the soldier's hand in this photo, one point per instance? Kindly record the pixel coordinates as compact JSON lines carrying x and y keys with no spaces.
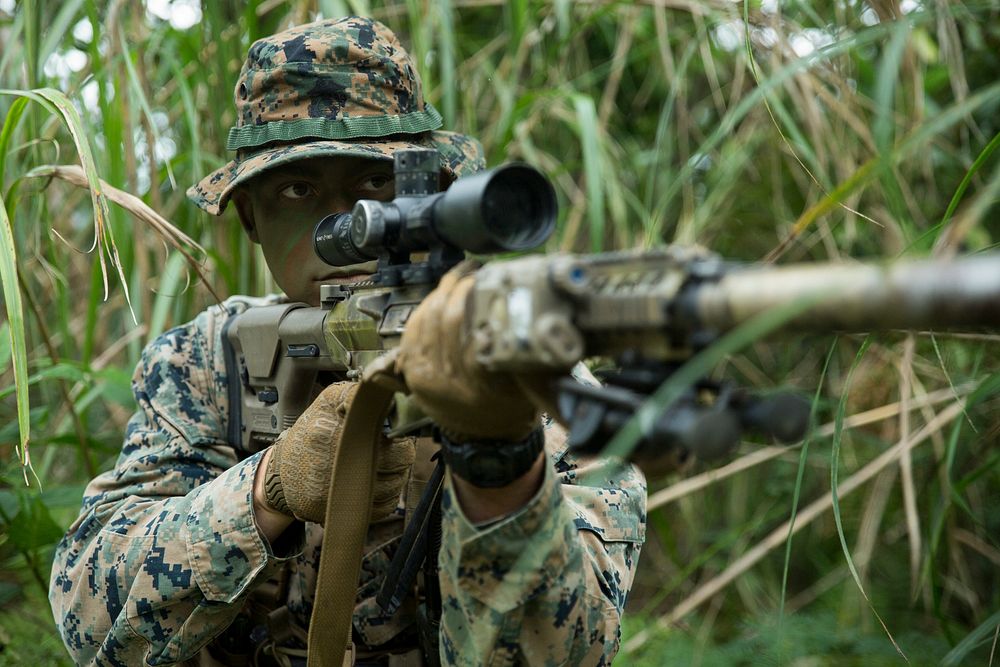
{"x":437,"y":360}
{"x":297,"y":479}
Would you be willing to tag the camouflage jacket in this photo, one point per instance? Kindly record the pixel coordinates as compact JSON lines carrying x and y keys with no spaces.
{"x":165,"y":552}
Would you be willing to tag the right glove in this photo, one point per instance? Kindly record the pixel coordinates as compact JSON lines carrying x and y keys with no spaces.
{"x":297,"y":479}
{"x":438,"y":361}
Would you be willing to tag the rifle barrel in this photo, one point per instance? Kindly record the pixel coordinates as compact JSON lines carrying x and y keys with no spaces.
{"x":923,"y":294}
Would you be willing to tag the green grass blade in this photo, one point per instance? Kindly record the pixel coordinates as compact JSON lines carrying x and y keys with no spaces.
{"x":587,"y":127}
{"x":15,"y":318}
{"x":797,"y":493}
{"x":166,"y":293}
{"x":980,"y":160}
{"x":60,"y":371}
{"x":625,"y":440}
{"x":884,"y":126}
{"x":834,"y":474}
{"x":956,"y":198}
{"x":928,"y":133}
{"x":5,"y":350}
{"x":32,"y":37}
{"x":448,"y":65}
{"x":728,"y":124}
{"x":10,"y":122}
{"x":56,"y":27}
{"x":971,"y":641}
{"x":147,"y":110}
{"x":190,"y":117}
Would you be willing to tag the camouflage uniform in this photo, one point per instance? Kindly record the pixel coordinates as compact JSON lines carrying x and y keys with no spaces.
{"x":165,"y":553}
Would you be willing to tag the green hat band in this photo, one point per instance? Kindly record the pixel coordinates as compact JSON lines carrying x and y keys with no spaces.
{"x":415,"y":122}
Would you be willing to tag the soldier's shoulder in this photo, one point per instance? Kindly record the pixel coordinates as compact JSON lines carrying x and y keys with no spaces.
{"x":207,"y":325}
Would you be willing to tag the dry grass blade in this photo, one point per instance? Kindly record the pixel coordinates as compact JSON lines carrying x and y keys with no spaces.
{"x":809,"y":514}
{"x":618,"y":62}
{"x":170,"y":234}
{"x":906,"y":463}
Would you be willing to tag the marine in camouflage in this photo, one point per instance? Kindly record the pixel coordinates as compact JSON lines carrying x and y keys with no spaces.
{"x":165,"y":551}
{"x":165,"y":558}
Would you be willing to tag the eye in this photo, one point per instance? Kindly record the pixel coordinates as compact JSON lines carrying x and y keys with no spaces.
{"x":377,"y":183}
{"x":297,"y":190}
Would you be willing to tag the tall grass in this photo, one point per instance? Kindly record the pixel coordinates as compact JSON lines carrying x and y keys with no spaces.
{"x":764,"y":130}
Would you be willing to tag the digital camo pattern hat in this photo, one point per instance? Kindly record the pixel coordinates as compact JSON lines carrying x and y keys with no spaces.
{"x":336,"y":87}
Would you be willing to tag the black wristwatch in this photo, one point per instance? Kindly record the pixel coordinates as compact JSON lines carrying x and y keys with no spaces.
{"x":491,"y":463}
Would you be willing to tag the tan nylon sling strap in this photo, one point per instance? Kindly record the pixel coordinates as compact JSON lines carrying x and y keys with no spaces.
{"x":346,"y":525}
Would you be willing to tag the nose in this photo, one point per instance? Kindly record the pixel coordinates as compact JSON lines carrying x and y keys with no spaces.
{"x":338,"y":202}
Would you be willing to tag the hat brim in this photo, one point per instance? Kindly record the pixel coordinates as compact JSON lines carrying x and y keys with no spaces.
{"x":461,"y":155}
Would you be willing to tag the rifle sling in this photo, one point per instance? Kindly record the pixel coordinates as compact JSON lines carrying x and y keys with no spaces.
{"x":346,"y":525}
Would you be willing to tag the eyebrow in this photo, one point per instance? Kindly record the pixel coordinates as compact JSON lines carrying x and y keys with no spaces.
{"x":297,"y":169}
{"x":312,"y":171}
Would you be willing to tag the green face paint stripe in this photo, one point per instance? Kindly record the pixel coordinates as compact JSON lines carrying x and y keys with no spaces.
{"x":415,"y":122}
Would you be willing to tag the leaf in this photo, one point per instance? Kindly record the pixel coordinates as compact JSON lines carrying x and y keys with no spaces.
{"x":834,"y":475}
{"x":33,"y":526}
{"x":166,"y":293}
{"x":15,"y":318}
{"x":982,"y":633}
{"x":61,"y":371}
{"x":7,"y":131}
{"x":58,"y":104}
{"x":5,"y":347}
{"x":63,"y":496}
{"x":587,"y":127}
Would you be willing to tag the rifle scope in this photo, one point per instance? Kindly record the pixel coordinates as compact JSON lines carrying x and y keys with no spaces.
{"x":509,"y":208}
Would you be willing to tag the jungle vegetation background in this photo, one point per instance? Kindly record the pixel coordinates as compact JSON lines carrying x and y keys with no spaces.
{"x":776,"y":131}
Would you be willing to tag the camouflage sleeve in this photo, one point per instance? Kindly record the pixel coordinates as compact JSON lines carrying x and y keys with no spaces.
{"x":547,"y":585}
{"x":166,"y":541}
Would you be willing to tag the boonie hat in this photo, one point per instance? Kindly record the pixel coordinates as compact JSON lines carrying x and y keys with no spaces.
{"x":329,"y":88}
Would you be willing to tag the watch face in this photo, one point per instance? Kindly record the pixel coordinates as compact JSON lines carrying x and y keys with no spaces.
{"x":491,"y":464}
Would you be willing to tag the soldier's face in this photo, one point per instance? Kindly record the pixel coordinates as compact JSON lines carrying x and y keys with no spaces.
{"x":280,"y":208}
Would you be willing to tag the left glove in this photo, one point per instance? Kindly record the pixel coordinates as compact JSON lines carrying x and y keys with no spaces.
{"x":297,"y":480}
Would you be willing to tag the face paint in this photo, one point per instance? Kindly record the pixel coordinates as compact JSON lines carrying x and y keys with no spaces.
{"x":286,"y":202}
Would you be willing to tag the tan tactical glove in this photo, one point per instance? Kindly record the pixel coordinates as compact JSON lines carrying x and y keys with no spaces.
{"x":438,"y":363}
{"x":297,"y":478}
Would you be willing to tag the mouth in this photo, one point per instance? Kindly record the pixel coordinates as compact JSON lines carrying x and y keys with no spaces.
{"x":343,"y":275}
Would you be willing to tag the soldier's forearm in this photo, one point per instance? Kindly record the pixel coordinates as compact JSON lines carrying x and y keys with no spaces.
{"x":480,"y":504}
{"x":270,"y":523}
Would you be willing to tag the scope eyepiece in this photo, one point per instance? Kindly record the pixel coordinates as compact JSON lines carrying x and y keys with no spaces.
{"x":333,"y":243}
